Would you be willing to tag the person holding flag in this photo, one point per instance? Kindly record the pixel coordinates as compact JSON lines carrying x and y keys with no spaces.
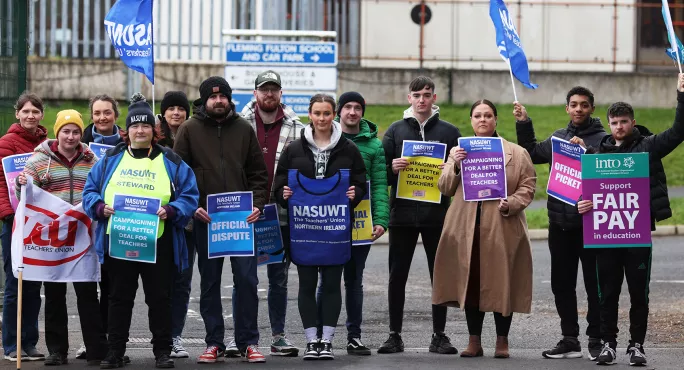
{"x":565,"y":227}
{"x":61,"y":167}
{"x":21,"y":137}
{"x":321,"y":153}
{"x":634,"y":264}
{"x":462,"y":276}
{"x":168,"y":178}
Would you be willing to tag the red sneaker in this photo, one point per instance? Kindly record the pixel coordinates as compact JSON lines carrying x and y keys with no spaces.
{"x":252,"y":354}
{"x":211,"y":354}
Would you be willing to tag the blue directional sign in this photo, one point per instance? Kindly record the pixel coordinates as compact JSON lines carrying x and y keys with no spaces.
{"x":299,"y":102}
{"x":302,"y":53}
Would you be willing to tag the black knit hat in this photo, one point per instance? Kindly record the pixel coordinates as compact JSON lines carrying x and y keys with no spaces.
{"x":139,"y":111}
{"x":351,"y":96}
{"x":212,"y":85}
{"x":175,"y":99}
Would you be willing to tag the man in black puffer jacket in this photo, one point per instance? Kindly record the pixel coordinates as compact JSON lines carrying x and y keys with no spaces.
{"x":409,"y":218}
{"x":565,"y":228}
{"x":633,"y":263}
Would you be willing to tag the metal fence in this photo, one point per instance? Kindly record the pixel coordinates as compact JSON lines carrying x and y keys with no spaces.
{"x":13,"y":27}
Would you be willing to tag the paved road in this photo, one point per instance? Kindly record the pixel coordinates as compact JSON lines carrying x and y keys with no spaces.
{"x":530,"y":334}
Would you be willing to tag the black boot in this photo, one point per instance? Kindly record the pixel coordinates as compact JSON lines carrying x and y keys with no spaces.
{"x":56,"y":359}
{"x":112,"y":361}
{"x":164,"y":361}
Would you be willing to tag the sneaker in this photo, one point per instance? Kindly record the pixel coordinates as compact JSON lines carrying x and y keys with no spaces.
{"x":177,"y":349}
{"x":595,"y":346}
{"x":311,"y":351}
{"x":231,"y":349}
{"x":637,"y":356}
{"x":325,"y":350}
{"x":56,"y":359}
{"x":112,"y":361}
{"x":442,"y":344}
{"x":355,"y":347}
{"x":566,"y":348}
{"x":393,"y":344}
{"x":32,"y":354}
{"x":608,"y":355}
{"x":252,"y":354}
{"x":281,"y":346}
{"x":81,"y":352}
{"x":211,"y":354}
{"x":164,"y":361}
{"x":12,"y":356}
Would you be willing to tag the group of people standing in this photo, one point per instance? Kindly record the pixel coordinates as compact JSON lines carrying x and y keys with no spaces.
{"x":478,"y":253}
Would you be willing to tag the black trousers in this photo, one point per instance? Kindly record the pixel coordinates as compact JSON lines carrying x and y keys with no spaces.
{"x":104,"y":292}
{"x":330,"y":297}
{"x":157,"y":279}
{"x":567,"y":250}
{"x":402,"y":244}
{"x":56,"y":319}
{"x":611,"y":266}
{"x":475,"y":318}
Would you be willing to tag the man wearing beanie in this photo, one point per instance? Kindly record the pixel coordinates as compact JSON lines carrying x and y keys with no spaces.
{"x":223,"y":150}
{"x":175,"y":109}
{"x":276,"y":126}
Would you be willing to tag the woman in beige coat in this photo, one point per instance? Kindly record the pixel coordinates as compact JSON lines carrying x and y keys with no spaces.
{"x":483,"y":262}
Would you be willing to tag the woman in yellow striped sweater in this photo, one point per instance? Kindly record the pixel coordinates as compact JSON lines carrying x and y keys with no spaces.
{"x":61,"y":168}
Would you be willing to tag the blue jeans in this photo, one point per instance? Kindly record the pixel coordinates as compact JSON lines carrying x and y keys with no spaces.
{"x":245,"y":298}
{"x":277,"y":296}
{"x":353,"y":287}
{"x":31,"y":301}
{"x":180,"y":291}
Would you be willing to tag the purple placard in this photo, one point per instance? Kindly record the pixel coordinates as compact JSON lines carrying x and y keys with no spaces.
{"x":483,"y":171}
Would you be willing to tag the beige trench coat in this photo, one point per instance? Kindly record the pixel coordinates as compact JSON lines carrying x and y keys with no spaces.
{"x":505,"y":255}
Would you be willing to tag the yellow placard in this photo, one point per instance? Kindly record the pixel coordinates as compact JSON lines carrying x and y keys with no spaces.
{"x":419,"y":180}
{"x":362,"y":229}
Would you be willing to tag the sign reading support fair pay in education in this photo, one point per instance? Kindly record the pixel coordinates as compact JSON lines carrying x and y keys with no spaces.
{"x":419,"y":180}
{"x":619,"y":187}
{"x":565,"y":179}
{"x":229,"y":232}
{"x":483,"y":171}
{"x":268,"y":238}
{"x":362,"y":228}
{"x":133,"y":228}
{"x":13,"y":165}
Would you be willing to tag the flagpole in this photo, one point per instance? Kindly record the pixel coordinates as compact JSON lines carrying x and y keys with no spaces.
{"x":20,"y":298}
{"x":510,"y":70}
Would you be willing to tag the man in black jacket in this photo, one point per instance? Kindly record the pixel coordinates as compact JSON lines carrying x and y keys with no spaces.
{"x":409,"y":218}
{"x":633,"y":263}
{"x":565,"y":227}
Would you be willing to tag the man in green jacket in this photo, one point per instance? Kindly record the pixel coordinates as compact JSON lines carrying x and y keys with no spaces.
{"x":351,"y":107}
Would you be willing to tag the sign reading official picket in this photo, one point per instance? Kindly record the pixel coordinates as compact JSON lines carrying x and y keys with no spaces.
{"x":483,"y":172}
{"x":419,"y":180}
{"x":565,"y":178}
{"x":281,"y":53}
{"x":268,"y":237}
{"x":619,"y":187}
{"x":229,"y":232}
{"x":133,"y":228}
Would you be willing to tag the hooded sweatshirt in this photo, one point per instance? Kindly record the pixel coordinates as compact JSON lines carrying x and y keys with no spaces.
{"x":322,"y":154}
{"x":408,"y":114}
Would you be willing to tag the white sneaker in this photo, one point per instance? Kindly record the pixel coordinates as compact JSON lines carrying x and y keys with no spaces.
{"x":177,"y":349}
{"x":231,"y":349}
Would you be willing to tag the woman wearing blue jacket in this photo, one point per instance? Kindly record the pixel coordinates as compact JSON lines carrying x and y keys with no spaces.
{"x":141,"y":167}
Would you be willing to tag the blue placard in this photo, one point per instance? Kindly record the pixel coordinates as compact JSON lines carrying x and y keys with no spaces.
{"x":133,"y":228}
{"x":281,"y":53}
{"x":99,"y":149}
{"x":268,"y":237}
{"x":229,"y":232}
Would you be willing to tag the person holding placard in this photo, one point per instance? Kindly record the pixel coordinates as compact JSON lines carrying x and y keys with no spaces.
{"x":21,"y":137}
{"x":141,"y":177}
{"x":61,"y":167}
{"x":410,"y":218}
{"x":498,"y":238}
{"x":322,"y":155}
{"x":634,"y":264}
{"x":565,"y":227}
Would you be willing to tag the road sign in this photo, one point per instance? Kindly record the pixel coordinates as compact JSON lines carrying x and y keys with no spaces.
{"x":293,"y":78}
{"x":281,"y":53}
{"x":299,"y":102}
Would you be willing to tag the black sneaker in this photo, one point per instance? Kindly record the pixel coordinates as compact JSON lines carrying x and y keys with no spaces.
{"x":311,"y":351}
{"x":112,"y":361}
{"x":56,"y":359}
{"x":608,"y":355}
{"x":393,"y":344}
{"x":442,"y":344}
{"x":355,"y":347}
{"x":164,"y":361}
{"x":637,"y":356}
{"x":595,"y":346}
{"x":566,"y":348}
{"x":325,"y":351}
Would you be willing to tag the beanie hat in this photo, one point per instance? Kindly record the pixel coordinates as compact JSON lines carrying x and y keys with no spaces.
{"x":139,"y":111}
{"x":175,"y":99}
{"x":212,"y":85}
{"x":351,"y":96}
{"x":66,"y":117}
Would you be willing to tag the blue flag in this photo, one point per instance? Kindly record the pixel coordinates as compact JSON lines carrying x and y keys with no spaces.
{"x":129,"y":26}
{"x":508,"y":42}
{"x":675,"y":45}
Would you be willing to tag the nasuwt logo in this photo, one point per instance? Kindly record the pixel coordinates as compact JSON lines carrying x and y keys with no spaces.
{"x":129,"y":34}
{"x":138,"y":174}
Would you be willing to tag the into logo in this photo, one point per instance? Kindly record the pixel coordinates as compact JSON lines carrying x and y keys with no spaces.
{"x":608,"y":163}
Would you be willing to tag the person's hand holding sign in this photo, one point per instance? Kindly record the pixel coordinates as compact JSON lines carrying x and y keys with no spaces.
{"x":287,"y":192}
{"x":21,"y":179}
{"x":584,"y":206}
{"x":457,"y":156}
{"x":254,"y":216}
{"x":108,"y":211}
{"x":351,"y":193}
{"x":577,"y":140}
{"x":162,"y":213}
{"x":399,"y":164}
{"x":202,"y":215}
{"x":378,"y":231}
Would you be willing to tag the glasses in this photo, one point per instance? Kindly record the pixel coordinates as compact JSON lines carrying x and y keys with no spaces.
{"x":266,"y":90}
